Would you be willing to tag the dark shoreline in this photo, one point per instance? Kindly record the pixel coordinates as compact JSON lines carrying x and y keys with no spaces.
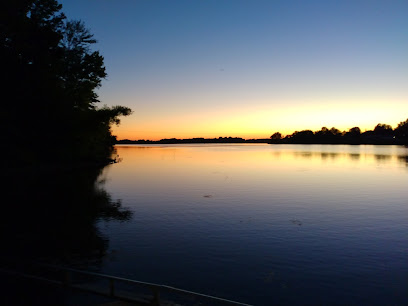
{"x":367,"y":141}
{"x":194,"y":140}
{"x":383,"y":134}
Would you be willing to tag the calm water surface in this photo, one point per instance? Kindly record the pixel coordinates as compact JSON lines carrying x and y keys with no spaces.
{"x":264,"y":224}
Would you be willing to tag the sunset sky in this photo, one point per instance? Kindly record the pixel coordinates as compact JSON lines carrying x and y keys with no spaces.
{"x":248,"y":68}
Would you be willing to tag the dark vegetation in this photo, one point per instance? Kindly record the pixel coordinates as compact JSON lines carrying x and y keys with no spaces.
{"x":55,"y":140}
{"x":194,"y":140}
{"x":49,"y":77}
{"x":50,"y":214}
{"x":382,"y":134}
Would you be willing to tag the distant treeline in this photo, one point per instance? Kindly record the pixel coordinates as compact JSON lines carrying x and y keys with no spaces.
{"x":194,"y":140}
{"x":381,"y":134}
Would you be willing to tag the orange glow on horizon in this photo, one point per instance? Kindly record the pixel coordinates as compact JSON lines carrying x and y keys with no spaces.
{"x":259,"y":121}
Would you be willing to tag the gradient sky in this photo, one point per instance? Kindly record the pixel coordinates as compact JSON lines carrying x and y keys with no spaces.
{"x":248,"y":68}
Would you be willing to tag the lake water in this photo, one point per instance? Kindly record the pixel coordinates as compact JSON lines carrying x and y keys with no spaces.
{"x":264,"y":224}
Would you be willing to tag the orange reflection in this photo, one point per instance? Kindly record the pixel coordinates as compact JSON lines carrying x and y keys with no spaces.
{"x":207,"y":169}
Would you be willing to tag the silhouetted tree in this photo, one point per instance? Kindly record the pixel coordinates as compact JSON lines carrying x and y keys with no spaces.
{"x":305,"y":136}
{"x":335,"y":132}
{"x":353,"y":136}
{"x":328,"y":136}
{"x":29,"y":53}
{"x":383,"y":129}
{"x":382,"y":134}
{"x":276,"y":137}
{"x":355,"y":131}
{"x":50,"y":76}
{"x":323,"y":135}
{"x":323,"y":131}
{"x":83,"y":70}
{"x":49,"y":118}
{"x":401,"y":131}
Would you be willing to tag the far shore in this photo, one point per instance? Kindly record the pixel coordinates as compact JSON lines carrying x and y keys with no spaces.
{"x":236,"y":140}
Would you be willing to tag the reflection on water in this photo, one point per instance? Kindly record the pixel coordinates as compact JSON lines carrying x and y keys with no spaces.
{"x":49,"y":215}
{"x":264,"y":224}
{"x":403,"y":159}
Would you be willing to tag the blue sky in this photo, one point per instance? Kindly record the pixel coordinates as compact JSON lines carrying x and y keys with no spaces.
{"x":250,"y":68}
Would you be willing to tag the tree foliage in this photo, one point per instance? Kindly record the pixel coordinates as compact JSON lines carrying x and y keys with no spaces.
{"x":51,"y":76}
{"x":383,"y":129}
{"x":276,"y":136}
{"x":401,"y":131}
{"x":354,"y":131}
{"x":382,"y":134}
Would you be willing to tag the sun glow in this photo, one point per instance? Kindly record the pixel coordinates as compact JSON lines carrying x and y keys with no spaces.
{"x":261,"y":120}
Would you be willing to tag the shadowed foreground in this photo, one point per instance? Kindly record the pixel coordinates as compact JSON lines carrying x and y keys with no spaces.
{"x":50,"y":216}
